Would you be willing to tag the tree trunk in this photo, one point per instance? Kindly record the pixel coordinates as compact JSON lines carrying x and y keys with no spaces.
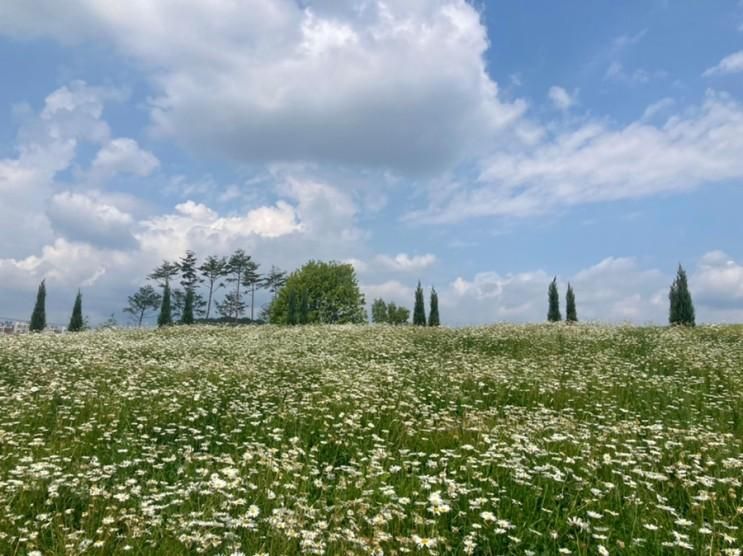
{"x":209,"y":304}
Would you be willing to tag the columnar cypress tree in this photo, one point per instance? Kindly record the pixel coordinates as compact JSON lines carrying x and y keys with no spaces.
{"x":571,"y":315}
{"x":433,"y":315}
{"x":76,"y":320}
{"x":681,"y":310}
{"x":187,"y":316}
{"x":419,"y":310}
{"x":292,"y":309}
{"x":38,"y":317}
{"x":165,"y":317}
{"x":553,"y":314}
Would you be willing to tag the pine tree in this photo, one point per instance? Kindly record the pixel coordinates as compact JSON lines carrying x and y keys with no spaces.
{"x":234,"y":273}
{"x":553,"y":314}
{"x":38,"y":317}
{"x":681,"y":310}
{"x":165,"y":318}
{"x":144,"y":300}
{"x":433,"y":315}
{"x":571,"y":315}
{"x":419,"y":309}
{"x":76,"y":320}
{"x":252,"y":279}
{"x":187,"y":316}
{"x":212,"y":269}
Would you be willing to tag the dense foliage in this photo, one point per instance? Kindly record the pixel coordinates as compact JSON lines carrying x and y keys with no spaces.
{"x":319,"y":292}
{"x":38,"y":316}
{"x":571,"y":313}
{"x":681,"y":308}
{"x":357,"y":440}
{"x":76,"y":319}
{"x":553,"y":300}
{"x":419,"y":309}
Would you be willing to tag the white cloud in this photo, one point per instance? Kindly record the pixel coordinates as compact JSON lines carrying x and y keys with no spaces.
{"x":80,"y":217}
{"x":391,"y":290}
{"x":122,"y":156}
{"x":596,"y":163}
{"x":561,"y":99}
{"x":733,"y":63}
{"x":718,"y":282}
{"x":399,"y":84}
{"x":402,"y":262}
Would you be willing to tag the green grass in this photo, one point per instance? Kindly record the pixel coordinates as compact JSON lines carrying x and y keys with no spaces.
{"x":352,"y":440}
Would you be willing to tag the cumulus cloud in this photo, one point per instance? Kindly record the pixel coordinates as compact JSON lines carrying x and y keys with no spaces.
{"x":718,"y":282}
{"x":561,"y":99}
{"x":402,"y":262}
{"x":596,"y":163}
{"x":732,"y":63}
{"x":122,"y":156}
{"x":395,"y":84}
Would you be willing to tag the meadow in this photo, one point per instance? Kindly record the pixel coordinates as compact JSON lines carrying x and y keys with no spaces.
{"x":547,"y":439}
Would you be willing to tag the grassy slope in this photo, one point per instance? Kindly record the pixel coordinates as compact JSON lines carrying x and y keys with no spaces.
{"x":347,"y":440}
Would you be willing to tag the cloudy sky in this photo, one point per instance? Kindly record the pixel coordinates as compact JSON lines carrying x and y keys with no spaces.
{"x":481,"y":147}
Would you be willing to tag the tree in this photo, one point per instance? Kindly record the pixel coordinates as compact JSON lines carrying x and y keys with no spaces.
{"x":189,"y":272}
{"x":332,"y":292}
{"x":236,"y":266}
{"x":274,"y":281}
{"x":187,"y":316}
{"x":38,"y":317}
{"x":379,"y":311}
{"x":165,"y":318}
{"x":76,"y":320}
{"x":571,"y":315}
{"x":433,"y":315}
{"x":681,"y":310}
{"x":419,"y":309}
{"x":163,"y":273}
{"x":397,"y":315}
{"x":144,"y":300}
{"x":304,"y":308}
{"x":212,"y":269}
{"x":553,"y":313}
{"x":292,"y":312}
{"x":231,"y":307}
{"x":252,"y":279}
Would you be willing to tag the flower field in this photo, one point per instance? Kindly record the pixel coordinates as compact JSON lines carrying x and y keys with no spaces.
{"x":381,"y":440}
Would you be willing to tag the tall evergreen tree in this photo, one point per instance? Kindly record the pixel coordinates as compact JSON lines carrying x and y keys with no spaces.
{"x":292,"y":310}
{"x":231,"y":306}
{"x":144,"y":300}
{"x":433,"y":315}
{"x":681,"y":309}
{"x":419,"y":309}
{"x":189,"y":272}
{"x":236,"y":266}
{"x":187,"y":316}
{"x":38,"y":317}
{"x":212,"y":269}
{"x":76,"y":320}
{"x":571,"y":314}
{"x":165,"y":318}
{"x":274,"y":280}
{"x":304,"y":308}
{"x":164,"y":273}
{"x":553,"y":314}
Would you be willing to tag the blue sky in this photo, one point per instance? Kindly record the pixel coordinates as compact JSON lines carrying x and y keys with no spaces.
{"x":479,"y":147}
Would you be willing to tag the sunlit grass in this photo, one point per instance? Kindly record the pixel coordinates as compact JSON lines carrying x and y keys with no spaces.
{"x":346,"y":440}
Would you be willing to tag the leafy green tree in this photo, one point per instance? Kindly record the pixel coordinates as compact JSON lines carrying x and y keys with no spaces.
{"x":571,"y":314}
{"x":433,"y":315}
{"x":553,"y":313}
{"x":76,"y":320}
{"x":304,"y":308}
{"x":379,"y":311}
{"x":681,"y":310}
{"x":397,"y":315}
{"x":332,"y":291}
{"x":292,"y":311}
{"x":212,"y":269}
{"x":165,"y":318}
{"x":190,"y":278}
{"x":38,"y":316}
{"x":187,"y":316}
{"x":144,"y":300}
{"x":419,"y":309}
{"x":252,"y":280}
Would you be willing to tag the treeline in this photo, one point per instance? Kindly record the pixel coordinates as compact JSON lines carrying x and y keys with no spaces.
{"x":318,"y":292}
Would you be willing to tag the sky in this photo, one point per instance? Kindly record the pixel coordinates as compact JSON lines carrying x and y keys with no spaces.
{"x":479,"y":147}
